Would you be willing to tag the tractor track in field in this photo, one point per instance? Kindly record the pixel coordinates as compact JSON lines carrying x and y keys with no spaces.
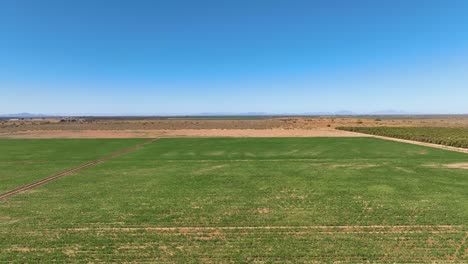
{"x":29,"y":186}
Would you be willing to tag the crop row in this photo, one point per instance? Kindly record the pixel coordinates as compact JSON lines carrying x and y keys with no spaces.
{"x":455,"y":137}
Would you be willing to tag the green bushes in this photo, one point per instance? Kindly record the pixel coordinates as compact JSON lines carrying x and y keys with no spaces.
{"x":455,"y":137}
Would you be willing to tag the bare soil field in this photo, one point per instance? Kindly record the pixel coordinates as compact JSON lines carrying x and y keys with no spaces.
{"x":181,"y":133}
{"x":179,"y":127}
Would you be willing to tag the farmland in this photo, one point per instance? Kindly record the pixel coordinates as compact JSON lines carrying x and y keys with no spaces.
{"x":237,"y":199}
{"x":26,"y":160}
{"x":449,"y":136}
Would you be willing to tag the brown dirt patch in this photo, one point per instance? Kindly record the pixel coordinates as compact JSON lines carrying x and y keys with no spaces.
{"x":21,"y":249}
{"x":181,"y":133}
{"x":152,"y":127}
{"x":450,"y":166}
{"x":144,"y":126}
{"x":262,"y":210}
{"x":457,"y":166}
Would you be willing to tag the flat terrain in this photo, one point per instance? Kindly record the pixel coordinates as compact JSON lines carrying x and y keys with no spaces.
{"x":449,"y":136}
{"x":324,"y":132}
{"x":27,"y":160}
{"x":211,"y":126}
{"x":245,"y":200}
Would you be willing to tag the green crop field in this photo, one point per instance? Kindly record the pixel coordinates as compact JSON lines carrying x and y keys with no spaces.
{"x":237,"y":200}
{"x":449,"y":136}
{"x":23,"y":161}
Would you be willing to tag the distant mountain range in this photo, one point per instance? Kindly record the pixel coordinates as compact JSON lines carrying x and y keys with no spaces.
{"x":25,"y":115}
{"x":337,"y":113}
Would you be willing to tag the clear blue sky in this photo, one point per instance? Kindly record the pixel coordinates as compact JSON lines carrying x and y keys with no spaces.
{"x":174,"y":56}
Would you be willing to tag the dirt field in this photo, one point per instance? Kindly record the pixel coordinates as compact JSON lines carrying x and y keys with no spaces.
{"x":260,"y":123}
{"x":261,"y":127}
{"x":180,"y":133}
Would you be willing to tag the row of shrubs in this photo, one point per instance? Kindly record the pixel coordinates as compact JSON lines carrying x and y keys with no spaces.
{"x":449,"y":136}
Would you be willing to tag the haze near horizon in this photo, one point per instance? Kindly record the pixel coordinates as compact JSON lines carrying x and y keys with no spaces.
{"x":191,"y":57}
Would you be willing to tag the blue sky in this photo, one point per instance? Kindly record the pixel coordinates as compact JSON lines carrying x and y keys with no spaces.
{"x":188,"y":57}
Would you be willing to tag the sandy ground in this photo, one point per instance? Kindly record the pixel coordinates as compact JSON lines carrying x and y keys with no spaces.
{"x":260,"y":123}
{"x":325,"y":132}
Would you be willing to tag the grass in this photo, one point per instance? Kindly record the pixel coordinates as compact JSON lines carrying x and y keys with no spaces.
{"x":245,"y":200}
{"x":449,"y":136}
{"x":23,"y":161}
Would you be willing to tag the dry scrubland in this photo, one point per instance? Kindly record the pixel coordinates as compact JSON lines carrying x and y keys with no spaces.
{"x":211,"y":127}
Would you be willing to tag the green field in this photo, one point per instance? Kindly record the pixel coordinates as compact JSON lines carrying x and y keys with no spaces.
{"x":23,"y":161}
{"x":238,"y":200}
{"x":449,"y":136}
